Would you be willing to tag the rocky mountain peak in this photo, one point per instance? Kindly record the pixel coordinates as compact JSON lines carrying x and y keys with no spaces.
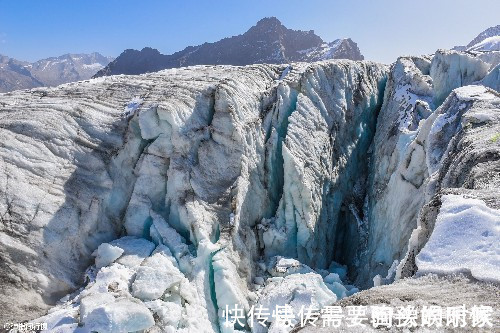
{"x":269,"y":41}
{"x":269,"y":23}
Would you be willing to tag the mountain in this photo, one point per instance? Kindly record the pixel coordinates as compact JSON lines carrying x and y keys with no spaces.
{"x":490,"y":32}
{"x":53,"y":71}
{"x":155,"y":202}
{"x":15,"y":75}
{"x":268,"y":41}
{"x":68,"y":68}
{"x":487,"y":45}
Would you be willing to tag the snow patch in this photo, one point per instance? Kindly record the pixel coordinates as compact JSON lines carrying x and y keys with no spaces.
{"x":474,"y":92}
{"x":132,"y":107}
{"x":466,"y":238}
{"x":95,"y":66}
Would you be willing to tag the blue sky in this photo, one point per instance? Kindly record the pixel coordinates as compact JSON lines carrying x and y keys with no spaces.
{"x":383,"y":29}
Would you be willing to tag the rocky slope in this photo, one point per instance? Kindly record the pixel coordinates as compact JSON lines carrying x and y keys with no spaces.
{"x":155,"y":201}
{"x":267,"y":42}
{"x":15,"y":75}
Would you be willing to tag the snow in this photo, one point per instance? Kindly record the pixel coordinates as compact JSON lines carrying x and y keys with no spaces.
{"x":132,"y":106}
{"x":155,"y":275}
{"x":285,"y":266}
{"x":135,"y":250}
{"x":117,"y":275}
{"x":94,"y":66}
{"x":47,"y":64}
{"x":473,"y":92}
{"x":490,"y":32}
{"x":407,"y":100}
{"x":330,"y":49}
{"x":92,"y":302}
{"x":489,"y":44}
{"x":323,"y":52}
{"x":466,"y":238}
{"x":441,"y":121}
{"x":169,"y":313}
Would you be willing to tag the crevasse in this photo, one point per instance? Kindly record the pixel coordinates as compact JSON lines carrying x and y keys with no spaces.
{"x":232,"y":186}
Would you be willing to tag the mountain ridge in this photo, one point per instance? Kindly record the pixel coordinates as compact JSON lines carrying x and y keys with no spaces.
{"x":269,"y":41}
{"x":489,"y":32}
{"x":52,"y":71}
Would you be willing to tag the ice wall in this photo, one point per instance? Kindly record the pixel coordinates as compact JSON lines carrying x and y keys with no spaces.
{"x":462,"y":157}
{"x":324,"y":164}
{"x":406,"y":153}
{"x":218,"y":171}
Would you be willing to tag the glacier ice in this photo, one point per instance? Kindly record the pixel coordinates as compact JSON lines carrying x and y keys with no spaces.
{"x":135,"y":250}
{"x":450,"y":70}
{"x":237,"y":185}
{"x":297,"y":291}
{"x":416,"y":129}
{"x":119,"y":316}
{"x":154,"y":276}
{"x":92,"y":302}
{"x":106,"y":254}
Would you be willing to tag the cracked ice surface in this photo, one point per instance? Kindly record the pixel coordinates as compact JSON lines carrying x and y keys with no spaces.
{"x":233,"y":185}
{"x":205,"y":156}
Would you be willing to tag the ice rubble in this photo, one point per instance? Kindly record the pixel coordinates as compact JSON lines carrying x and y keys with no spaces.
{"x":243,"y":186}
{"x":124,"y":295}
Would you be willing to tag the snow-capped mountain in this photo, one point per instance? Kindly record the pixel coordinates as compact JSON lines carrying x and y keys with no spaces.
{"x":487,"y":45}
{"x":490,"y":32}
{"x":268,"y":41}
{"x":68,"y":68}
{"x":15,"y":75}
{"x":152,"y":202}
{"x":53,"y":71}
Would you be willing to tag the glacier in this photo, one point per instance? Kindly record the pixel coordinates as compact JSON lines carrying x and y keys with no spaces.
{"x":158,"y":202}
